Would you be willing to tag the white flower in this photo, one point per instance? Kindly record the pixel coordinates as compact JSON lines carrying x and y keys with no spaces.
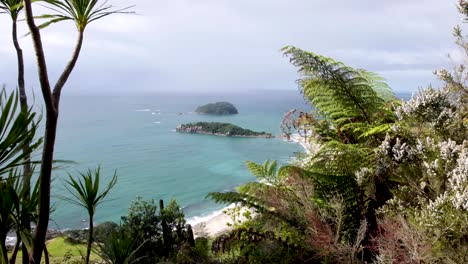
{"x":362,"y":175}
{"x":458,"y":182}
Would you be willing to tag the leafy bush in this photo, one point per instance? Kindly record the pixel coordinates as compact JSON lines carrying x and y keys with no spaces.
{"x":159,"y":234}
{"x":104,"y":230}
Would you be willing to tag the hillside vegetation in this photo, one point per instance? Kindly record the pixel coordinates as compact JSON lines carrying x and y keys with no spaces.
{"x":219,"y":108}
{"x":220,"y":129}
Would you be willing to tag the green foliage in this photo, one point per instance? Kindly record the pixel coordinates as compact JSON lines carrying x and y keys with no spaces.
{"x":104,"y":230}
{"x":219,"y":108}
{"x":11,"y":7}
{"x":120,"y":249}
{"x":174,"y":218}
{"x":86,"y":190}
{"x":349,"y":100}
{"x":321,"y":201}
{"x":199,"y":253}
{"x":219,"y":128}
{"x":143,"y":221}
{"x":146,"y":225}
{"x":9,"y":209}
{"x":12,"y":206}
{"x":254,"y":246}
{"x":82,"y":12}
{"x":17,"y":130}
{"x":88,"y":194}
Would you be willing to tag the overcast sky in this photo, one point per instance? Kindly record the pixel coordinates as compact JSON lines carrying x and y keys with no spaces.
{"x":233,"y":45}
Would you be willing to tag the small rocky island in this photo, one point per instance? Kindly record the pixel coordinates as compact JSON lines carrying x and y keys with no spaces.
{"x":219,"y":108}
{"x":220,"y":129}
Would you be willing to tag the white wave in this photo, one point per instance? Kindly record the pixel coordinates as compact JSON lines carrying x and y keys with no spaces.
{"x":157,"y":122}
{"x":173,"y":130}
{"x":200,"y":219}
{"x":296,"y":138}
{"x":143,"y":110}
{"x":153,"y":113}
{"x":10,"y":241}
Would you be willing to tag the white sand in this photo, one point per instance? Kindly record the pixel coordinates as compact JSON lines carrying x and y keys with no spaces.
{"x":213,"y":227}
{"x":217,"y":224}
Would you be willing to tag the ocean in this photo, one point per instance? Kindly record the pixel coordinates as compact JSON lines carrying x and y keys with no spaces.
{"x":135,"y":137}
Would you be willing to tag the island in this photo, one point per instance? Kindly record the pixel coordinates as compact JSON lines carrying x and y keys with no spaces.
{"x":220,"y":129}
{"x":219,"y":108}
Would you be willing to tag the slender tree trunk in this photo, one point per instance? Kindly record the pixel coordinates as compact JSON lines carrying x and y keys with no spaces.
{"x":167,"y":239}
{"x":46,"y":255}
{"x":27,"y":171}
{"x":15,"y":249}
{"x":44,"y":189}
{"x":51,"y":101}
{"x":90,"y":238}
{"x":19,"y":55}
{"x":68,"y":69}
{"x":40,"y":57}
{"x":3,"y":249}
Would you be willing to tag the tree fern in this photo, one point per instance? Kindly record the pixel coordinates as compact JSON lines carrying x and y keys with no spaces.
{"x":350,"y":98}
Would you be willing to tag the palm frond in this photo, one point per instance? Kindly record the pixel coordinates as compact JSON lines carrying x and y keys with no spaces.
{"x":86,"y":191}
{"x":82,"y":12}
{"x":12,"y":7}
{"x":17,"y":129}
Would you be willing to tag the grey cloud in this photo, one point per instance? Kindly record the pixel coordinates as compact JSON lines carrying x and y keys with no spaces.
{"x":221,"y":45}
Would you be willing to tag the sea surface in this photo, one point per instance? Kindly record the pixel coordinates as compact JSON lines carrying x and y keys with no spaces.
{"x":135,"y":137}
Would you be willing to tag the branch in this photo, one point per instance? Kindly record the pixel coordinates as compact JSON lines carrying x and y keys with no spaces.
{"x":40,"y":57}
{"x":68,"y":69}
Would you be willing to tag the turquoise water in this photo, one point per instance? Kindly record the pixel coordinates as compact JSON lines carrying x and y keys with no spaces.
{"x":135,"y":136}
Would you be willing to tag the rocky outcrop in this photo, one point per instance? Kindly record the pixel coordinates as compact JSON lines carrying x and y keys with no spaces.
{"x":220,"y":129}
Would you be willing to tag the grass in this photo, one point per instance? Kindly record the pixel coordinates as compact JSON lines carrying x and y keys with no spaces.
{"x":61,"y":251}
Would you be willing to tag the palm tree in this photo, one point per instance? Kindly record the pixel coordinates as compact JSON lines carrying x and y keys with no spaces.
{"x":17,"y":129}
{"x":86,"y":193}
{"x":82,"y":12}
{"x":9,"y":205}
{"x":15,"y":211}
{"x":13,"y":8}
{"x":119,"y":249}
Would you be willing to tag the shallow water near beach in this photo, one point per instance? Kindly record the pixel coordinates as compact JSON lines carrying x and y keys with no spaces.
{"x":135,"y":135}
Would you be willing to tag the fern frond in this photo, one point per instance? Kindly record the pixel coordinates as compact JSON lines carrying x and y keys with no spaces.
{"x":379,"y":85}
{"x":336,"y":158}
{"x":346,"y":96}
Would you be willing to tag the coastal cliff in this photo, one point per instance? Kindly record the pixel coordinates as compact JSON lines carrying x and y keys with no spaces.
{"x":220,"y":129}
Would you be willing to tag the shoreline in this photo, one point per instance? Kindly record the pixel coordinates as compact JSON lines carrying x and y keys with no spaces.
{"x":215,"y":223}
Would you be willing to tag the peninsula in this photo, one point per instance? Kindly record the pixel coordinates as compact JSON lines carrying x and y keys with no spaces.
{"x":219,"y":108}
{"x":220,"y":129}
